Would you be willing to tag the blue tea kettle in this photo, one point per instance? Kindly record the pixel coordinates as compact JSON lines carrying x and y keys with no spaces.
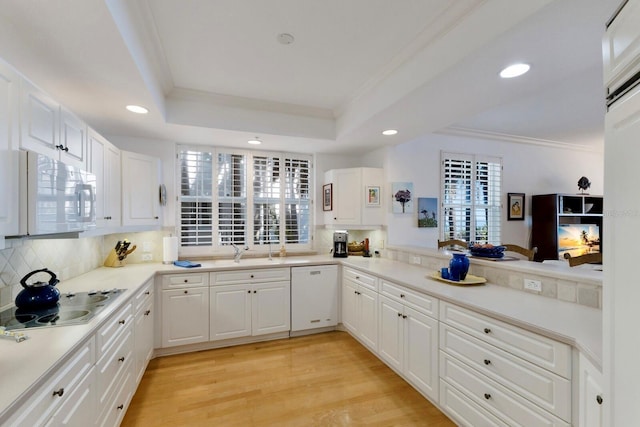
{"x":38,"y":295}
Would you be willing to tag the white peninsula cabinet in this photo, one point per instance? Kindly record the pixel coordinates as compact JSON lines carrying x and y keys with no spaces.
{"x":491,"y":370}
{"x":360,"y":306}
{"x":408,"y":336}
{"x":590,"y":394}
{"x":185,"y":309}
{"x":140,"y":189}
{"x":349,"y":198}
{"x":49,"y":129}
{"x":104,"y":163}
{"x":143,"y":324}
{"x":249,"y":303}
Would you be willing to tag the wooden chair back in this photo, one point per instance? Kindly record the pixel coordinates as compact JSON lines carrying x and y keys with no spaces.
{"x":452,"y":242}
{"x":594,"y":258}
{"x":529,"y":253}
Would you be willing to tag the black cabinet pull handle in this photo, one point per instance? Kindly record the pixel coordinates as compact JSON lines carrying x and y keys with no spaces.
{"x":487,"y":330}
{"x":148,"y":312}
{"x":401,"y":295}
{"x":599,"y":399}
{"x":121,"y":359}
{"x":487,"y":361}
{"x":121,"y":407}
{"x":249,"y":291}
{"x":186,"y":292}
{"x":404,"y":316}
{"x":147,"y":293}
{"x":121,"y":322}
{"x":186,"y":280}
{"x":399,"y":314}
{"x":487,"y":396}
{"x":59,"y":392}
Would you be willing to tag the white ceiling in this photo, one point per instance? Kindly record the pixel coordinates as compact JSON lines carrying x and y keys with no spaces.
{"x":212,"y":71}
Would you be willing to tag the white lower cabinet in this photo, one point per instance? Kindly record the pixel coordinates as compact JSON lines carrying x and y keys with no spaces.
{"x":408,"y":341}
{"x":44,"y":406}
{"x":143,"y":335}
{"x":360,"y":306}
{"x":517,"y":376}
{"x":185,"y":309}
{"x":590,"y":394}
{"x":249,"y":303}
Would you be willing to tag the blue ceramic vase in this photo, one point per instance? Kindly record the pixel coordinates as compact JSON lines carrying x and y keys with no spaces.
{"x":458,"y":267}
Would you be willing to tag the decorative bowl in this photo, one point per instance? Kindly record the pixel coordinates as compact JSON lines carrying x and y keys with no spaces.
{"x":355,"y":247}
{"x":490,"y":252}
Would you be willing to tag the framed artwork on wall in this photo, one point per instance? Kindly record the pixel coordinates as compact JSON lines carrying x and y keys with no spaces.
{"x":427,"y":212}
{"x":327,"y":197}
{"x":402,"y":193}
{"x":373,"y":196}
{"x":515,"y":206}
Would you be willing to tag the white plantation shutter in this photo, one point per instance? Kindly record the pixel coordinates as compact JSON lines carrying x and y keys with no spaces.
{"x":196,"y":197}
{"x":297,"y":200}
{"x":242,"y":198}
{"x":231,"y":170}
{"x":266,"y":199}
{"x":471,"y":191}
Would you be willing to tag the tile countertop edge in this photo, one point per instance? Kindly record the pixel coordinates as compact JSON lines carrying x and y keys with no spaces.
{"x":573,"y":324}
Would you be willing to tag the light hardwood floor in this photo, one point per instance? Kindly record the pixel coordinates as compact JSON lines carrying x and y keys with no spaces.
{"x":326,"y":379}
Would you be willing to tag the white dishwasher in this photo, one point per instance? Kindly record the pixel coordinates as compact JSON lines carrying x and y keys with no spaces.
{"x":314,"y":297}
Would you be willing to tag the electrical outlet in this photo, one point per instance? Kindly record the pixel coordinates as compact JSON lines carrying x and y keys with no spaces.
{"x":533,"y":285}
{"x":415,"y":260}
{"x":147,"y":257}
{"x":146,"y":246}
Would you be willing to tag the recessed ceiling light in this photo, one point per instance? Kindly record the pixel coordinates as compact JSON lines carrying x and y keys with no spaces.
{"x":285,"y":38}
{"x":389,"y":132}
{"x":137,"y":109}
{"x":514,"y":70}
{"x":254,"y":141}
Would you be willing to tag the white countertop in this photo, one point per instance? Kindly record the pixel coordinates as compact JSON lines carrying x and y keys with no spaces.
{"x":27,"y":365}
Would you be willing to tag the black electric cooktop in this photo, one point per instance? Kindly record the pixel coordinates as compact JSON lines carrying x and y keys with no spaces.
{"x":71,"y":309}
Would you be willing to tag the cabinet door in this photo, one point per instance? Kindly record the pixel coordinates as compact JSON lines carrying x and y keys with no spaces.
{"x":368,"y":317}
{"x":347,"y":198}
{"x":391,"y":336}
{"x":230,"y":311}
{"x":38,"y":121}
{"x":185,"y":316}
{"x":143,"y":338}
{"x":621,"y":46}
{"x":270,"y":308}
{"x":590,"y":395}
{"x":140,"y":183}
{"x":104,"y":163}
{"x":73,"y":138}
{"x":421,"y":351}
{"x":9,"y":87}
{"x":349,"y":305}
{"x":80,"y":407}
{"x":113,"y":190}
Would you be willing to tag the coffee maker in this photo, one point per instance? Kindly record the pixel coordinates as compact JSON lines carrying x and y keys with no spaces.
{"x":340,"y":239}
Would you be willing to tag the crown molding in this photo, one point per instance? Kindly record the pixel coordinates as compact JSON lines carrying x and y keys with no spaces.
{"x":503,"y":137}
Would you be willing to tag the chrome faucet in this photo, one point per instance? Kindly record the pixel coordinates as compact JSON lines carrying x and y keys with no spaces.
{"x":238,"y":252}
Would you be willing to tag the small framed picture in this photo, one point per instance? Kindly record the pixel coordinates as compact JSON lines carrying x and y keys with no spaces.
{"x":327,"y":197}
{"x":373,"y":196}
{"x":515,"y":206}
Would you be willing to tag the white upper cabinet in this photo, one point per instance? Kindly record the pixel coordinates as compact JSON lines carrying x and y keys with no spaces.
{"x":9,"y":88}
{"x":49,"y":129}
{"x":350,"y":205}
{"x":621,"y":46}
{"x":140,"y":189}
{"x":104,"y":163}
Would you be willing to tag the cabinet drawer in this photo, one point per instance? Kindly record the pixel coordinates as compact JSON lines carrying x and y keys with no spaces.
{"x":360,"y":278}
{"x":466,"y":412}
{"x":44,"y":402}
{"x":250,"y":276}
{"x":144,"y":294}
{"x":539,"y":350}
{"x":111,"y":366}
{"x":109,"y":332}
{"x":177,"y":281}
{"x":421,"y":302}
{"x":114,"y":410}
{"x":544,"y":388}
{"x":514,"y":409}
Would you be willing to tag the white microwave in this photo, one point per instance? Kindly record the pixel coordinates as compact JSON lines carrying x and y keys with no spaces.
{"x":55,"y":198}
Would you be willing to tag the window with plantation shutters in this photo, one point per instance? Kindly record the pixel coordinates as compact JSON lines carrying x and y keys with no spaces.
{"x":243,"y":198}
{"x":471,"y":197}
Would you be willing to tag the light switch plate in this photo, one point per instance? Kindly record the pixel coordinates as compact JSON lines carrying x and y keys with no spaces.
{"x":533,"y":285}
